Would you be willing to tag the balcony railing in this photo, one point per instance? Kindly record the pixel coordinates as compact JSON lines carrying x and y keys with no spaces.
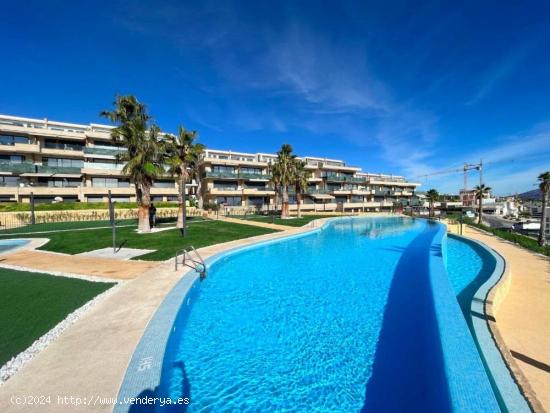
{"x":58,"y":169}
{"x":236,"y":175}
{"x":245,"y":175}
{"x":103,"y":151}
{"x":103,"y":165}
{"x":18,"y":168}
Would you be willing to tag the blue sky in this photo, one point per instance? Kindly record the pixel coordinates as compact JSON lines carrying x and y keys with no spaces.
{"x":395,"y":87}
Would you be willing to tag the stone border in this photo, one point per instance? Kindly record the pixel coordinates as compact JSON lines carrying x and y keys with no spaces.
{"x":13,"y":365}
{"x":514,"y":387}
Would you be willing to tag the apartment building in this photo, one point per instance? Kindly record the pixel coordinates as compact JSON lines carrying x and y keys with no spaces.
{"x":241,"y":180}
{"x":71,"y":162}
{"x":65,"y":161}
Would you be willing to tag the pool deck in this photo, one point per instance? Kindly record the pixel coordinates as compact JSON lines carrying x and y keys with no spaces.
{"x":89,"y":360}
{"x":523,"y":316}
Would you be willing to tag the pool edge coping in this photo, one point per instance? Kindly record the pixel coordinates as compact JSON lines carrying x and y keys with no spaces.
{"x":490,"y":296}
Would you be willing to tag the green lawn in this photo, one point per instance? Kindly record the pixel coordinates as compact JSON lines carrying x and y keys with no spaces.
{"x":31,"y":304}
{"x":166,"y":243}
{"x":292,"y":222}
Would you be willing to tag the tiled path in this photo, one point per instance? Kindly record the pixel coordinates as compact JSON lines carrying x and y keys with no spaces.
{"x":523,"y":318}
{"x":77,"y":264}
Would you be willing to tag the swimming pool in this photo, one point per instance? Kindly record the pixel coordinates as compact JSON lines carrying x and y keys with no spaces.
{"x":9,"y":244}
{"x":359,"y":316}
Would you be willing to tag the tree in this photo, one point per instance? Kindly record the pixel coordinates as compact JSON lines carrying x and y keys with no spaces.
{"x":544,"y":186}
{"x":275,"y":181}
{"x":283,"y":169}
{"x":182,"y":158}
{"x":433,"y":196}
{"x":481,"y":190}
{"x":143,"y":156}
{"x":300,"y":177}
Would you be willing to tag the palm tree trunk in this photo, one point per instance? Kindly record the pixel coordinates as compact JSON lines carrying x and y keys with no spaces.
{"x":298,"y":204}
{"x":200,"y":201}
{"x":143,"y":195}
{"x":182,"y":200}
{"x":542,"y":237}
{"x":480,"y":216}
{"x":284,"y":210}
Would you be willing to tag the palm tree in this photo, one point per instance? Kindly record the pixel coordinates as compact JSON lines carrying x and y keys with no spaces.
{"x":183,"y":156}
{"x":143,"y":160}
{"x":481,"y":190}
{"x":544,"y":187}
{"x":433,"y":196}
{"x":284,"y":170}
{"x":275,"y":180}
{"x":301,"y":176}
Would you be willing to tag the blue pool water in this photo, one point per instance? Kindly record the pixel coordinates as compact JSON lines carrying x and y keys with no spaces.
{"x":340,"y":320}
{"x":8,"y":244}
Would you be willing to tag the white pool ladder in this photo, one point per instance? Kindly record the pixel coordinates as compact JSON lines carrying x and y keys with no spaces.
{"x":192,"y":259}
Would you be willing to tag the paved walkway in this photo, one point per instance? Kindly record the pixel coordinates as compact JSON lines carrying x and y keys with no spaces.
{"x":89,"y":360}
{"x":77,"y":264}
{"x":523,"y":318}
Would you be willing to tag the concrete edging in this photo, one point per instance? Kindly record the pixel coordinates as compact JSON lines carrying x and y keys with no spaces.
{"x":515,"y":391}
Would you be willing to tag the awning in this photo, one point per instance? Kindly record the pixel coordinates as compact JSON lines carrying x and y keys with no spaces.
{"x":322,"y":196}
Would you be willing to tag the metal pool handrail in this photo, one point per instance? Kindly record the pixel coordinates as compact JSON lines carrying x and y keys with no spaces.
{"x":196,"y":263}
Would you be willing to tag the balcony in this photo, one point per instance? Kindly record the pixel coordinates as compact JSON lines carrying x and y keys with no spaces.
{"x":88,"y":150}
{"x":236,"y":175}
{"x":256,"y":177}
{"x":21,"y":148}
{"x":311,"y":191}
{"x":361,"y":191}
{"x":17,"y":168}
{"x":334,"y":178}
{"x":223,"y":175}
{"x":46,"y":169}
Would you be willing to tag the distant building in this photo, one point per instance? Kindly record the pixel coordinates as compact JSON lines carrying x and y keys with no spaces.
{"x":469,"y":199}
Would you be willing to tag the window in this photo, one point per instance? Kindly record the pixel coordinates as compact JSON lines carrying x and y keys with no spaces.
{"x":63,"y":162}
{"x":60,"y":182}
{"x":340,"y":199}
{"x":157,"y":198}
{"x":257,"y":201}
{"x":12,"y":158}
{"x":223,"y":169}
{"x":164,"y":184}
{"x":357,"y":198}
{"x":9,"y":181}
{"x":229,"y":200}
{"x":104,"y":182}
{"x":246,"y":170}
{"x":256,"y":185}
{"x":228,"y":186}
{"x":11,"y":140}
{"x":63,"y":145}
{"x":172,"y":198}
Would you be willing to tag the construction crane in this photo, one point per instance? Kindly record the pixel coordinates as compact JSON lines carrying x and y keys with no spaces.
{"x":467,"y":167}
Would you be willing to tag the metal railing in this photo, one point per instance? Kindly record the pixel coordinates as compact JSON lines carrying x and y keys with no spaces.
{"x":196,"y":263}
